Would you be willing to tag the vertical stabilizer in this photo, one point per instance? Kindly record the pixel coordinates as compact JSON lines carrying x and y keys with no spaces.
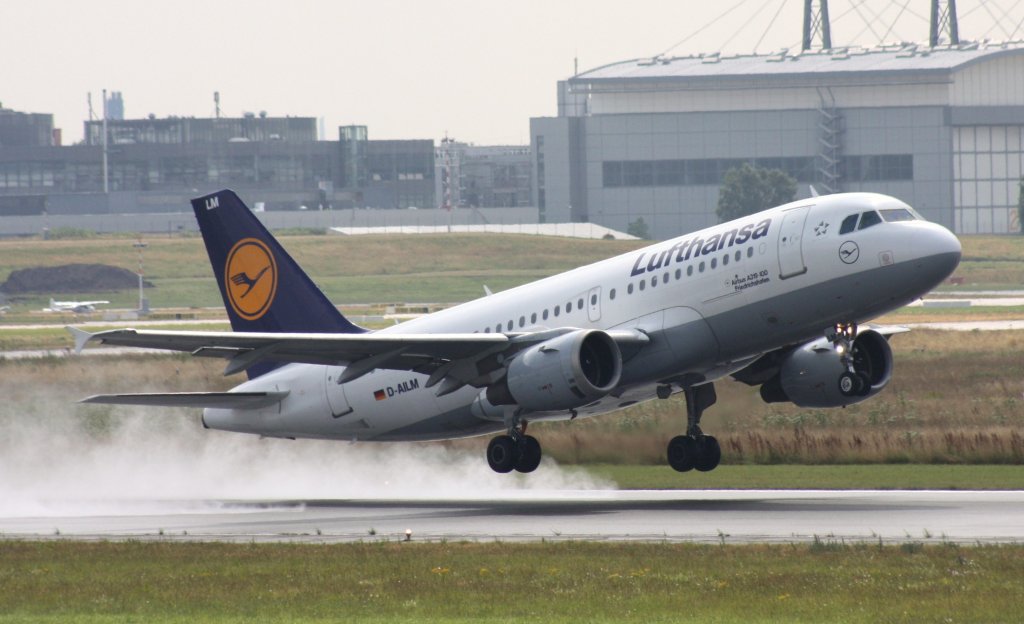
{"x":264,"y":290}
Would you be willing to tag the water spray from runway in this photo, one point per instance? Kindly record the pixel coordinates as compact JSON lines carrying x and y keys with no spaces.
{"x":77,"y":458}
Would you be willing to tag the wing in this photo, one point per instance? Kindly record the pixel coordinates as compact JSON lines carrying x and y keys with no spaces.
{"x":458,"y":359}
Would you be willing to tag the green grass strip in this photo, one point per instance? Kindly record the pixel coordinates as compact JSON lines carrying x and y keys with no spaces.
{"x":64,"y":581}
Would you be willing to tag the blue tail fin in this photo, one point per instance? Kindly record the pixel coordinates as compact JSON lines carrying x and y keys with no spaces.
{"x":264,"y":289}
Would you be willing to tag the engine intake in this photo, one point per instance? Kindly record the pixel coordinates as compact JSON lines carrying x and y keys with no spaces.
{"x":809,"y":376}
{"x":562,"y":373}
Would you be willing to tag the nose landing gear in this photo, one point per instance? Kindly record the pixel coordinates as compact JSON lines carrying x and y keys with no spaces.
{"x":853,"y":382}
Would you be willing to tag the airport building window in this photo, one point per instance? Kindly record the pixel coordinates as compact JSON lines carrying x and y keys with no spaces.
{"x":702,"y":171}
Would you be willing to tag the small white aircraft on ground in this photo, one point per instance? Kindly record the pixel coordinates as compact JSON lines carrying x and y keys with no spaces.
{"x":777,"y":299}
{"x":78,"y":307}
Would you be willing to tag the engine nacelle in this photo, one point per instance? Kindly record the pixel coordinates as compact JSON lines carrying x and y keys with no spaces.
{"x":810,"y":375}
{"x":563,"y":373}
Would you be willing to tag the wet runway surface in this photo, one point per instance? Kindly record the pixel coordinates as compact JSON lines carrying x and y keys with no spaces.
{"x":699,"y":516}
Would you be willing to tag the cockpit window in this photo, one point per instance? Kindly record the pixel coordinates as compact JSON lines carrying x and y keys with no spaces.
{"x":897,"y":214}
{"x":868,"y":219}
{"x":849,"y":224}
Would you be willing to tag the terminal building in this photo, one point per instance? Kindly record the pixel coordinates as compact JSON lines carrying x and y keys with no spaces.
{"x":941,"y":127}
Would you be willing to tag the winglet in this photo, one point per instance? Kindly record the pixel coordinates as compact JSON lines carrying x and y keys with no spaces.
{"x":81,"y":337}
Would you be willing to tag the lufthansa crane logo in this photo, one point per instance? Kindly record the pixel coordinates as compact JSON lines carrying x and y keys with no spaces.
{"x":849,"y":252}
{"x":250,"y":278}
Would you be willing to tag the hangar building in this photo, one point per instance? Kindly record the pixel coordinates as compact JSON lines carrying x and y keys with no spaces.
{"x":939,"y":127}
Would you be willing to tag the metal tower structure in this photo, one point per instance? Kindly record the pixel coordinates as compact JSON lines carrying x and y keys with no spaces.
{"x":943,"y":23}
{"x":816,"y":24}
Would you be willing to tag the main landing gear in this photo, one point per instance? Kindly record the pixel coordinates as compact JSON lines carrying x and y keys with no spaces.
{"x":695,"y":450}
{"x":853,"y":382}
{"x":514,"y":451}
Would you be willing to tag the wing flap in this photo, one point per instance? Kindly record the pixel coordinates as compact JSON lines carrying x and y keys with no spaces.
{"x":221,"y":400}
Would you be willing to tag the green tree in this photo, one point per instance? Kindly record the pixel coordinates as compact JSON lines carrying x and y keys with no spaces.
{"x":748,"y":189}
{"x":638,"y":228}
{"x":1020,"y":205}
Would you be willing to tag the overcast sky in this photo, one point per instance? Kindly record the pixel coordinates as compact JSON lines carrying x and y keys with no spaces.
{"x":474,"y":70}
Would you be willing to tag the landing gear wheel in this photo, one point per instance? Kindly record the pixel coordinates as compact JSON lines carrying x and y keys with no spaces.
{"x":502,"y":453}
{"x":682,"y":451}
{"x":529,"y":454}
{"x":849,"y":384}
{"x":865,"y":384}
{"x":709,"y":453}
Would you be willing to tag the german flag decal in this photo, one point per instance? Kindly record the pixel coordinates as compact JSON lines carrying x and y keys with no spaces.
{"x":380,"y":395}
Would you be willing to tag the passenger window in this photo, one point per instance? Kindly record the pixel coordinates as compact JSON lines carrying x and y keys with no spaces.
{"x":725,"y":259}
{"x":497,"y":328}
{"x":750,"y":252}
{"x":643,"y":284}
{"x":558,"y":310}
{"x":868,"y":219}
{"x":510,"y":325}
{"x":545,"y":314}
{"x":611,"y":294}
{"x":522,"y":321}
{"x":739,"y":255}
{"x":654,"y":281}
{"x":679,"y":273}
{"x":664,"y":278}
{"x":714,"y":262}
{"x":568,"y":307}
{"x":533,"y":318}
{"x":629,"y":289}
{"x":689,"y":270}
{"x":487,"y":330}
{"x":579,"y":304}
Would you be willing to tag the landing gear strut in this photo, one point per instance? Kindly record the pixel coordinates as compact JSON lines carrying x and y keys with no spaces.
{"x":514,"y":451}
{"x":695,"y":450}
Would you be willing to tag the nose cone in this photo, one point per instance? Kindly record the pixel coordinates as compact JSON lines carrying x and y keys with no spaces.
{"x":939,"y":251}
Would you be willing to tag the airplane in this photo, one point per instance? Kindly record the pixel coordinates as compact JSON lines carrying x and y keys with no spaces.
{"x":779,"y":299}
{"x":78,"y":307}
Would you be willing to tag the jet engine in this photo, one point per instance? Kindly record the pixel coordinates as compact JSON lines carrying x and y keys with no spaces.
{"x":814,"y":375}
{"x":561,"y":374}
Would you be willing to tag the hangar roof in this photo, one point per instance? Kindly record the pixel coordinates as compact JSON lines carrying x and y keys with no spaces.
{"x":837,"y":62}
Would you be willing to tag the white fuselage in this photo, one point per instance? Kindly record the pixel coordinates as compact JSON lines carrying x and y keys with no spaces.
{"x":711,"y":302}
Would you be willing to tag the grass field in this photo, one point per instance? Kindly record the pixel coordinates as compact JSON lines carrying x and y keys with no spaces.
{"x":62,"y":581}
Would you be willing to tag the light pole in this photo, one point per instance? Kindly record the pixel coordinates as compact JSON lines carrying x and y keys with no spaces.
{"x":143,"y":304}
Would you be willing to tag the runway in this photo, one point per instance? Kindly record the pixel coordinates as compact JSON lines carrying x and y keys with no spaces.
{"x":650,"y":516}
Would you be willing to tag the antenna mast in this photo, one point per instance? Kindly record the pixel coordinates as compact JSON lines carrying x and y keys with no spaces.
{"x":816,"y":23}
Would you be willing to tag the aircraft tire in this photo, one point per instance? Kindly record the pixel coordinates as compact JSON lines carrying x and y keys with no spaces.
{"x":502,"y":454}
{"x":530,"y":454}
{"x":682,"y":451}
{"x":849,"y":384}
{"x":708,"y":455}
{"x":865,"y":384}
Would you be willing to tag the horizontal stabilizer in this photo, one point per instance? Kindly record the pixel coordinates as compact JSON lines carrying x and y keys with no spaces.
{"x":221,"y":400}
